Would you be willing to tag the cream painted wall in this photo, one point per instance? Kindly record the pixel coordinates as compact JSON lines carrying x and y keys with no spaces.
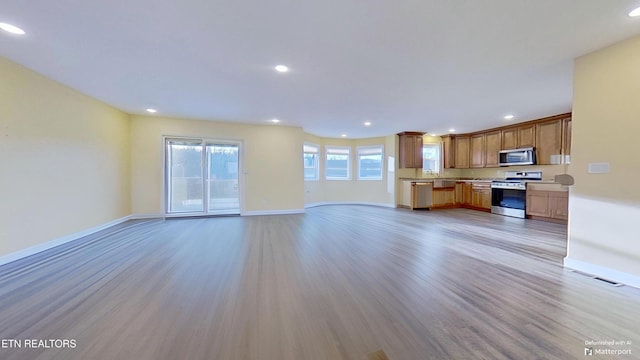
{"x":604,"y":208}
{"x":271,"y":161}
{"x":360,"y":191}
{"x":64,"y":160}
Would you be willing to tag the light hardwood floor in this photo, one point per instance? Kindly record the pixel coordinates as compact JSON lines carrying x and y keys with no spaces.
{"x":339,"y":282}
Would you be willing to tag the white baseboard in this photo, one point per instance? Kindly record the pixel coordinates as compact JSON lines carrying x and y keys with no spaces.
{"x":147,"y":216}
{"x":309,"y":205}
{"x":603,"y":272}
{"x":273,"y":212}
{"x":59,"y":241}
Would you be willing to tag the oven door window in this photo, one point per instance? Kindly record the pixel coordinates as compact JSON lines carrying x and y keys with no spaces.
{"x":508,"y":198}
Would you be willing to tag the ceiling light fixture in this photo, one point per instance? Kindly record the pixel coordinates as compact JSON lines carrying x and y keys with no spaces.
{"x":433,"y":135}
{"x":367,"y":123}
{"x":509,"y":117}
{"x":452,"y":130}
{"x":281,"y":68}
{"x":11,"y":29}
{"x":635,"y":12}
{"x":275,"y":121}
{"x":153,"y":111}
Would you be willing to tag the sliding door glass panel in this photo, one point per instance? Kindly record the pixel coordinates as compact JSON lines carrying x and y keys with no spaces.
{"x":184,"y":176}
{"x":222,"y":179}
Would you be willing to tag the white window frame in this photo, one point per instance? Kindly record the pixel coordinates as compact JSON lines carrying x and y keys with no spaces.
{"x":370,"y":150}
{"x":438,"y":147}
{"x":337,"y":150}
{"x":309,"y":148}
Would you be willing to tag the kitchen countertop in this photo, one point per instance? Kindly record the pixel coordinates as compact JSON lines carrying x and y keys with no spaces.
{"x":546,"y":181}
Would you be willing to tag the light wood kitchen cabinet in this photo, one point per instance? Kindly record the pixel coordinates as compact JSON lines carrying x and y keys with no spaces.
{"x":467,"y":192}
{"x":526,"y":136}
{"x":481,"y":195}
{"x":410,"y":150}
{"x":493,"y":142}
{"x":477,"y":150}
{"x":510,"y":138}
{"x":549,"y":142}
{"x":566,"y":138}
{"x":462,"y":152}
{"x":548,"y":204}
{"x":444,"y":197}
{"x":463,"y":193}
{"x":559,"y":205}
{"x":448,"y":148}
{"x":519,"y":137}
{"x":537,"y":203}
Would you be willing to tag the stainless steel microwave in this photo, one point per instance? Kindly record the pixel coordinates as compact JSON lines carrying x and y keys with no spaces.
{"x":524,"y":156}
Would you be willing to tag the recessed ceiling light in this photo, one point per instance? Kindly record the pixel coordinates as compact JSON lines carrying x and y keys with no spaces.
{"x":11,"y":29}
{"x":153,"y":111}
{"x":509,"y":117}
{"x":281,"y":68}
{"x":452,"y":130}
{"x":635,"y":12}
{"x":343,"y":135}
{"x":275,"y":121}
{"x":367,"y":123}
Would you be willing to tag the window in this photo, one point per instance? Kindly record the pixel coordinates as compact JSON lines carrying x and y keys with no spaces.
{"x":431,"y":155}
{"x":370,"y":162}
{"x":337,"y":163}
{"x":311,"y":161}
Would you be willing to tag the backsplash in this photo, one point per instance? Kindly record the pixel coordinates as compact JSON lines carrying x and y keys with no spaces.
{"x":548,"y":172}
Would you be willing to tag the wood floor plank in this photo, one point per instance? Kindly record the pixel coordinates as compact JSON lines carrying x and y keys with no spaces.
{"x":337,"y":282}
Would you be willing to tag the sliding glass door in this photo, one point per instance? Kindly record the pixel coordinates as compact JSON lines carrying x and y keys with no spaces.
{"x":202,"y":177}
{"x":222,"y":178}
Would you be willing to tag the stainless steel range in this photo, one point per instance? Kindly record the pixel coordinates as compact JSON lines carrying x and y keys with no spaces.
{"x":508,"y":196}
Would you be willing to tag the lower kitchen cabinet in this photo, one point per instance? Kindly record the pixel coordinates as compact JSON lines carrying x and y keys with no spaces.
{"x":481,"y":195}
{"x":473,"y":194}
{"x":463,"y":193}
{"x":548,"y":204}
{"x":467,"y":192}
{"x":445,"y":197}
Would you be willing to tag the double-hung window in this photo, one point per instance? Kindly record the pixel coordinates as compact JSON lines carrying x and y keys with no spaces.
{"x":370,"y":162}
{"x":311,"y":161}
{"x":431,"y":155}
{"x":337,"y":163}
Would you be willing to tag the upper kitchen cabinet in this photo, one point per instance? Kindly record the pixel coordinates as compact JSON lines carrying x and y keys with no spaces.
{"x":519,"y":137}
{"x":493,"y":143}
{"x":410,"y":146}
{"x":461,"y":153}
{"x":566,"y":138}
{"x":549,"y":142}
{"x":448,"y":147}
{"x":477,"y":150}
{"x":549,"y":136}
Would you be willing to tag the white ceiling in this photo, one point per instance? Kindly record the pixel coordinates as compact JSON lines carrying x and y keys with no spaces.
{"x":425,"y":65}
